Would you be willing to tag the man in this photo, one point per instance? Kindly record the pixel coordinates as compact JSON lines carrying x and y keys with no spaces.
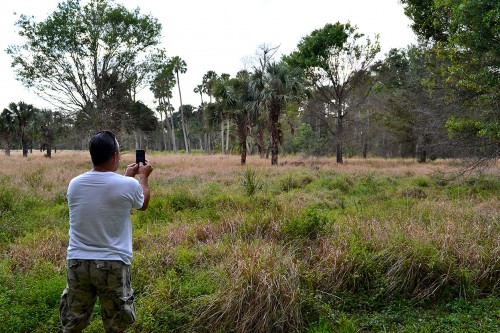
{"x":100,"y":238}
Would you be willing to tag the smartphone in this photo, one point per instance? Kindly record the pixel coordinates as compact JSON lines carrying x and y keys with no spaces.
{"x":140,"y":156}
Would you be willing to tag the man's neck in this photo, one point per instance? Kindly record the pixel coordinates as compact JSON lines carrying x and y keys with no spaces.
{"x":103,"y":168}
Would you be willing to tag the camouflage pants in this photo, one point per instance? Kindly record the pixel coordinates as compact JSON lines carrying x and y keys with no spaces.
{"x":89,"y":279}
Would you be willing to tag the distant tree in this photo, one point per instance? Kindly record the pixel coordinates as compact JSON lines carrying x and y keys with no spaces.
{"x":274,"y":88}
{"x":162,"y":85}
{"x":464,"y":56}
{"x":209,"y":80}
{"x":24,"y":114}
{"x":74,"y":57}
{"x":7,"y":130}
{"x":50,"y":126}
{"x":413,"y":115}
{"x":199,"y":90}
{"x":240,"y":100}
{"x":141,"y":120}
{"x":336,"y":62}
{"x":179,"y":66}
{"x":217,"y":112}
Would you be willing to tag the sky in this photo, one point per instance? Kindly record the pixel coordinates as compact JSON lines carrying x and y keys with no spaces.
{"x":219,"y":35}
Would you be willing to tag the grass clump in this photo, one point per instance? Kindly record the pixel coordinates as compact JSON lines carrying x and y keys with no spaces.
{"x":251,"y":182}
{"x":310,"y":223}
{"x":259,"y":293}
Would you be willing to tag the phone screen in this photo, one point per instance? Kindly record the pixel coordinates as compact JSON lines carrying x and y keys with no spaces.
{"x":140,"y":156}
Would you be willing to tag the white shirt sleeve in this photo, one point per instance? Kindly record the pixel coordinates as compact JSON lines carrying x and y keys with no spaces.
{"x":138,"y":197}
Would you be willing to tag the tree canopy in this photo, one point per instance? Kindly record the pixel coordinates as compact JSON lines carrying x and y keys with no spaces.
{"x":77,"y":55}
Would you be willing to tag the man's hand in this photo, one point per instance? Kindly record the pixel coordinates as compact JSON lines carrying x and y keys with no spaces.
{"x":132,"y":170}
{"x":144,"y":170}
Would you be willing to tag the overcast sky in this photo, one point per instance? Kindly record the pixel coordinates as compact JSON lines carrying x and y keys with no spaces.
{"x":219,"y":35}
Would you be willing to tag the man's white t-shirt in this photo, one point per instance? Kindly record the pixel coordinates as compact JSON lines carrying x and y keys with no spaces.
{"x":99,"y":213}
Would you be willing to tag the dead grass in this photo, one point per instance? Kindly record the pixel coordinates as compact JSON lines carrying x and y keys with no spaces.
{"x":46,"y":245}
{"x":64,"y":165}
{"x":260,"y":293}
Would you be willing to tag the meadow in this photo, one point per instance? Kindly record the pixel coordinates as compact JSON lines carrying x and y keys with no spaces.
{"x":372,"y":245}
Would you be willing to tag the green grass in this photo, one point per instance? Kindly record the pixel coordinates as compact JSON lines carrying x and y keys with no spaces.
{"x":272,"y":250}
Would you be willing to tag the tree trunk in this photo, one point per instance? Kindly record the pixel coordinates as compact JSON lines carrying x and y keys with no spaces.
{"x":242,"y":138}
{"x":164,"y":130}
{"x":24,"y":147}
{"x":275,"y":134}
{"x":338,"y":140}
{"x":365,"y":149}
{"x":227,"y":137}
{"x":222,"y":136}
{"x":183,"y":123}
{"x":259,"y":140}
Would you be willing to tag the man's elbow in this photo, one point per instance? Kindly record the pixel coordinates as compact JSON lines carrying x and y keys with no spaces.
{"x":144,"y":206}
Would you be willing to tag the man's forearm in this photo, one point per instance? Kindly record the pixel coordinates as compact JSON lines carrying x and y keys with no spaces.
{"x":147,"y":192}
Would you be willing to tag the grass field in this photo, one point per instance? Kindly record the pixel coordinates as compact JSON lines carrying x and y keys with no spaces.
{"x":308,"y":246}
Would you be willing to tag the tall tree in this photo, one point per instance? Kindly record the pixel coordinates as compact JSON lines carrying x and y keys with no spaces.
{"x":50,"y":125}
{"x":240,"y":100}
{"x":162,"y":85}
{"x":209,"y":80}
{"x":199,"y":90}
{"x":218,"y":111}
{"x":71,"y":58}
{"x":273,"y":89}
{"x":24,"y":114}
{"x":7,"y":130}
{"x":336,"y":62}
{"x":179,"y":66}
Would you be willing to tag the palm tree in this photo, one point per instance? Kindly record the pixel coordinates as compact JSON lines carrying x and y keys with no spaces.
{"x":162,"y":86}
{"x":179,"y":65}
{"x":199,"y":90}
{"x":24,"y":113}
{"x":274,"y":88}
{"x":49,"y":125}
{"x":221,"y":92}
{"x":7,"y":130}
{"x":241,"y":103}
{"x":209,"y":80}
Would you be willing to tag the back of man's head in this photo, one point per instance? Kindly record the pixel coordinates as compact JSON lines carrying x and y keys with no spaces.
{"x":102,"y":146}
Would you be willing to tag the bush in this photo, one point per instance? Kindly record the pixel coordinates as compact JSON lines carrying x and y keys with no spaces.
{"x":309,"y":224}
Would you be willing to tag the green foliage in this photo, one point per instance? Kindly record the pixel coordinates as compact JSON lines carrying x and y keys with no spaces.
{"x":29,"y":303}
{"x":474,"y":128}
{"x":341,"y":183}
{"x":251,"y":182}
{"x":303,"y":139}
{"x":464,"y":37}
{"x":310,"y":223}
{"x":59,"y":56}
{"x":292,"y":180}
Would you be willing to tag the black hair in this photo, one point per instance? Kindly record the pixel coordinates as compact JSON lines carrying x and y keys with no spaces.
{"x":102,"y":146}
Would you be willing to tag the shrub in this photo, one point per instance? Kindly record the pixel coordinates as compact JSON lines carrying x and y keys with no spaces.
{"x":310,"y":223}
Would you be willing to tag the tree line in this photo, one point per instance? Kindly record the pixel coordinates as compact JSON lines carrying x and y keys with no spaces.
{"x":333,"y":95}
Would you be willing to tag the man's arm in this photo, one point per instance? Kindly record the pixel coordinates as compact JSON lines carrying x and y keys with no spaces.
{"x":144,"y":172}
{"x":143,"y":180}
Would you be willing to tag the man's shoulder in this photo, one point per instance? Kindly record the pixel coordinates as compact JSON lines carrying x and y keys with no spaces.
{"x":124,"y":179}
